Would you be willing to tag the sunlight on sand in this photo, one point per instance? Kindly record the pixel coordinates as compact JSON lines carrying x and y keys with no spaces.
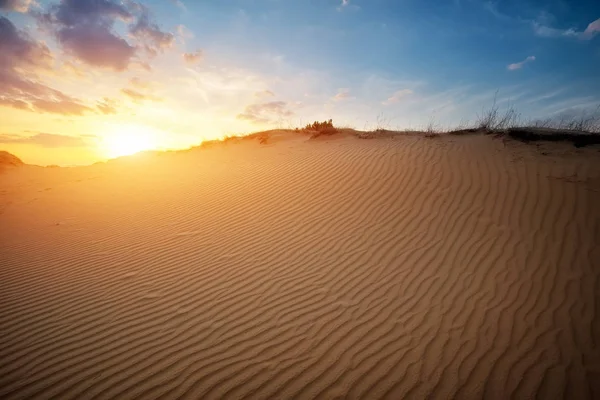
{"x":124,"y":140}
{"x":281,"y":266}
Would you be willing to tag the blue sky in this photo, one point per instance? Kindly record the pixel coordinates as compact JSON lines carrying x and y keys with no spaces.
{"x":450,"y":54}
{"x":192,"y":70}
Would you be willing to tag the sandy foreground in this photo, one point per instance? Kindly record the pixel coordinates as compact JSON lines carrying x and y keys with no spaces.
{"x":402,"y":267}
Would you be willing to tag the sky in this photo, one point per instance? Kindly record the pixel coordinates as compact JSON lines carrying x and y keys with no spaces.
{"x":86,"y":80}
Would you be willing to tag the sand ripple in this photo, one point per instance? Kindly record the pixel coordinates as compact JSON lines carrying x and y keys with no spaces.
{"x":392,"y":268}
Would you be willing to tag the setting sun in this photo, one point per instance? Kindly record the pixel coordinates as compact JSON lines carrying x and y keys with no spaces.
{"x":129,"y":139}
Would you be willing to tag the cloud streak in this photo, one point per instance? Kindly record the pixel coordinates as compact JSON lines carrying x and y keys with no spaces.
{"x":265,"y":113}
{"x":47,"y":140}
{"x":193,"y":58}
{"x":138,"y":96}
{"x":342,"y":94}
{"x":397,"y":96}
{"x":590,"y":32}
{"x":519,"y":65}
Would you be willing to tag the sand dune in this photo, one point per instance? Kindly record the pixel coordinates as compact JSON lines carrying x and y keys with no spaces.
{"x":402,"y":267}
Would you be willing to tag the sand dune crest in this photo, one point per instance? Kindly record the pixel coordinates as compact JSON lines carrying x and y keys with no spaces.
{"x":404,"y":267}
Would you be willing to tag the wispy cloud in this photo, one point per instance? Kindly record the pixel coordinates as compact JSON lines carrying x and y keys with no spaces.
{"x":183,"y":33}
{"x":543,"y":30}
{"x":345,"y":4}
{"x":107,"y":106}
{"x":397,"y":96}
{"x":193,"y":58}
{"x":179,"y":4}
{"x":140,"y":83}
{"x":139,"y":96}
{"x":264,"y":93}
{"x":492,"y":8}
{"x":47,"y":140}
{"x":342,"y":94}
{"x":519,"y":65}
{"x":265,"y":113}
{"x":542,"y":25}
{"x":148,"y":34}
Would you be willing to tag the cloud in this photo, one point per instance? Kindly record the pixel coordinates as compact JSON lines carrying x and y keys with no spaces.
{"x":519,"y":65}
{"x":546,"y":31}
{"x":107,"y":106}
{"x":15,"y":103}
{"x":592,"y":29}
{"x":15,"y":5}
{"x":266,"y":112}
{"x":492,"y":8}
{"x":184,"y":33}
{"x":345,"y":4}
{"x":342,"y":94}
{"x":542,"y":24}
{"x":19,"y":50}
{"x":22,"y":57}
{"x":47,"y":140}
{"x":60,"y":106}
{"x":139,"y":96}
{"x":179,"y":4}
{"x":397,"y":96}
{"x":85,"y":29}
{"x":139,"y":83}
{"x":80,"y":12}
{"x":540,"y":28}
{"x":264,"y":93}
{"x":97,"y":46}
{"x":139,"y":90}
{"x":193,"y":58}
{"x":149,"y":34}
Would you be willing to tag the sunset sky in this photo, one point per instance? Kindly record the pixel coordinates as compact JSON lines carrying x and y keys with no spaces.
{"x":86,"y":80}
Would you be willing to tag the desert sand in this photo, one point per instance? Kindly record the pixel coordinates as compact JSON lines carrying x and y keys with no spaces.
{"x":399,"y":267}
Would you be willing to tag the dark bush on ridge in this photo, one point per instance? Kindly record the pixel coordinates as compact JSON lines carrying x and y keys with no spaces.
{"x":321,"y":128}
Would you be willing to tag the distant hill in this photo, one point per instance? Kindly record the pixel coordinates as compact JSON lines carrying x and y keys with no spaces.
{"x":9,"y":160}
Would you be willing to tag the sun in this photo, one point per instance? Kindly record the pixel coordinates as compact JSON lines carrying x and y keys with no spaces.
{"x":128,"y":139}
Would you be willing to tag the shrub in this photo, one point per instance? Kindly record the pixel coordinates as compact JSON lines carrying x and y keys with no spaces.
{"x":494,"y":120}
{"x":263,"y":138}
{"x":321,"y":128}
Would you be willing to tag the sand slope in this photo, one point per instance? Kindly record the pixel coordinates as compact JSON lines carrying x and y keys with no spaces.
{"x":402,"y":267}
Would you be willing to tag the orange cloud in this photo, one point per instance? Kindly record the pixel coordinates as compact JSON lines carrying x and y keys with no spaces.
{"x":48,"y":140}
{"x":193,"y":58}
{"x":107,"y":106}
{"x":343,"y":94}
{"x":139,"y":83}
{"x":138,"y":96}
{"x":397,"y":96}
{"x":265,"y":112}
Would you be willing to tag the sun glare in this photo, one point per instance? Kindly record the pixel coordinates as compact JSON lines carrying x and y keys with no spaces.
{"x":126,"y":140}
